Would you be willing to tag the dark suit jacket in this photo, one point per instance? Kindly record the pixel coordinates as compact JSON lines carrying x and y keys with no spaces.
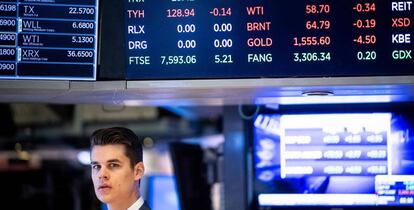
{"x":145,"y":206}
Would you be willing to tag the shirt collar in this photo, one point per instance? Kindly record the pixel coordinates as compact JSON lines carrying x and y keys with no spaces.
{"x":137,"y":205}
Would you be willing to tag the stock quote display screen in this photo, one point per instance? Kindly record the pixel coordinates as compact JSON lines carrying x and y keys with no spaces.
{"x":48,"y":39}
{"x":353,"y":159}
{"x":234,"y":38}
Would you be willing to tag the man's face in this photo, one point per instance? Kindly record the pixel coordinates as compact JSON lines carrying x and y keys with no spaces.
{"x":113,"y":177}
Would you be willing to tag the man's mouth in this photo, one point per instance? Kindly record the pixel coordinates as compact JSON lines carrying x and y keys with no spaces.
{"x":103,"y":187}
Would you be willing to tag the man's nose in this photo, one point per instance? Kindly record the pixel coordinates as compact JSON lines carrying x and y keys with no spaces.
{"x":103,"y":173}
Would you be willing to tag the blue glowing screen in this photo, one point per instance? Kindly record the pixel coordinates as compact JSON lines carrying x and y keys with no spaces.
{"x":163,"y":193}
{"x":334,"y":160}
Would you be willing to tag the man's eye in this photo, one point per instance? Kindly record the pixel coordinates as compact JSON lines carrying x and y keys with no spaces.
{"x":113,"y":165}
{"x":96,"y":167}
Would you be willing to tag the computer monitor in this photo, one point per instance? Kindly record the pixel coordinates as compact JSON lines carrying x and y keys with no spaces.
{"x":330,"y":160}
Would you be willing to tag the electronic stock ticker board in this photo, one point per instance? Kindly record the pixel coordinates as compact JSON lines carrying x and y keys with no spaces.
{"x":48,"y":39}
{"x":184,"y":39}
{"x":195,"y":39}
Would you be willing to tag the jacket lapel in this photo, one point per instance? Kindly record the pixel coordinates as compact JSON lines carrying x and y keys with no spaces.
{"x":145,"y":206}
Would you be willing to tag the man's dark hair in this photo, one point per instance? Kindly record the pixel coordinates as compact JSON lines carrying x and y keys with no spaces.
{"x":119,"y":135}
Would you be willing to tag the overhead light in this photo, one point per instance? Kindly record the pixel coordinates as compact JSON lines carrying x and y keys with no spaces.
{"x":335,"y":99}
{"x":317,"y":93}
{"x":84,"y":157}
{"x":133,"y":103}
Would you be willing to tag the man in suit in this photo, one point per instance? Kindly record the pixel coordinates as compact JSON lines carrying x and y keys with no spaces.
{"x":117,"y":168}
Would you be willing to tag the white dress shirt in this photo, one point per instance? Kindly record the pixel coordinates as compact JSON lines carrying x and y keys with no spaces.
{"x":137,"y":205}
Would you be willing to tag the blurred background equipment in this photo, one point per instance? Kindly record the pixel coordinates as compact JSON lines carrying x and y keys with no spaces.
{"x":44,"y":158}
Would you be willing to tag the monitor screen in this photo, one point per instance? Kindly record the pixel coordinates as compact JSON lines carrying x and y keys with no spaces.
{"x":48,"y":39}
{"x":269,"y":38}
{"x":162,"y":193}
{"x":346,"y":159}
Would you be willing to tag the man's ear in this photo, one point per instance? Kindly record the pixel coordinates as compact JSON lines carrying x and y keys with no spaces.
{"x":139,"y":170}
